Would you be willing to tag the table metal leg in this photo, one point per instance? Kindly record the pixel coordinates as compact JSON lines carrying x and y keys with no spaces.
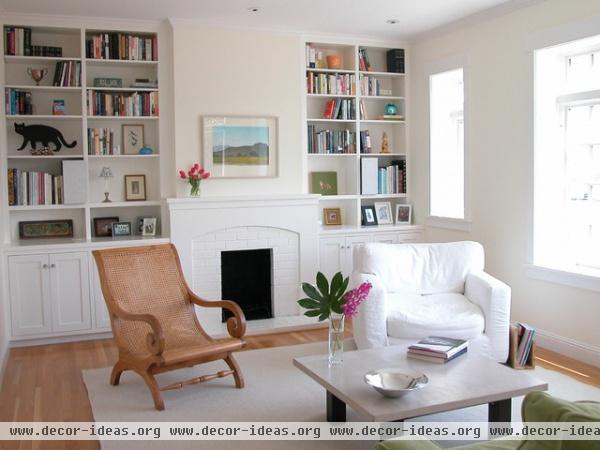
{"x":500,"y":411}
{"x":336,"y":409}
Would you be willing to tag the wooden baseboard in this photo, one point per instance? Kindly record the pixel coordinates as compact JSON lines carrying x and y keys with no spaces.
{"x":580,"y":351}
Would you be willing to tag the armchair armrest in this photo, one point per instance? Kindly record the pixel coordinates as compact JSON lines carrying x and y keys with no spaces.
{"x":236,"y":325}
{"x":154,"y":340}
{"x":493,"y":297}
{"x":369,"y":327}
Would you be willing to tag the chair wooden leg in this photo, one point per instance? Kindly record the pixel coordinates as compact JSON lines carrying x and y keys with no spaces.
{"x":154,"y":390}
{"x":115,"y":375}
{"x":237,"y":373}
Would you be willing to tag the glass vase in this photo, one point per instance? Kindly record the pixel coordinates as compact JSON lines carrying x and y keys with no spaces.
{"x":195,"y":190}
{"x":336,"y":339}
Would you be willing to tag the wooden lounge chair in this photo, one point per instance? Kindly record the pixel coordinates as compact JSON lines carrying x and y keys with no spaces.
{"x":153,"y":320}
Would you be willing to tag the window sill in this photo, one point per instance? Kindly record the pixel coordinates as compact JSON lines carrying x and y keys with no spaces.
{"x":565,"y":277}
{"x":448,"y":223}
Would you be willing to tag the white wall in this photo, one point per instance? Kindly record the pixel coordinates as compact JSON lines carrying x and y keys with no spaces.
{"x":237,"y":72}
{"x":498,"y":51}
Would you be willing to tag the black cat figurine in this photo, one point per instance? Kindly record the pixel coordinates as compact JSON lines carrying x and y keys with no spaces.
{"x":43,"y":134}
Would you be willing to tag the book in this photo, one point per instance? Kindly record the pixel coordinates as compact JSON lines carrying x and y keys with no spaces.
{"x":58,"y":107}
{"x":436,"y":359}
{"x":391,"y":117}
{"x":441,"y":346}
{"x":121,"y":46}
{"x":74,"y":182}
{"x":32,"y":188}
{"x":368,"y":176}
{"x":526,"y":337}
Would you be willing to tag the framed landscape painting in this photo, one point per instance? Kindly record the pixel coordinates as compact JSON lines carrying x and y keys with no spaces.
{"x":240,"y":146}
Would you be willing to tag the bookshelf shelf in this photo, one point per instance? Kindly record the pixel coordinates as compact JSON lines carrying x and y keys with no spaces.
{"x":119,"y":62}
{"x":313,"y":69}
{"x":125,"y":89}
{"x":382,"y":74}
{"x":44,"y":207}
{"x":40,"y":59}
{"x":371,"y":90}
{"x":122,"y":117}
{"x":41,"y":117}
{"x":77,"y":125}
{"x":45,"y":88}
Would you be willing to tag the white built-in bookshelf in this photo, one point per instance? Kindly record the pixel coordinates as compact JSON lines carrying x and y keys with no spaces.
{"x":74,"y":125}
{"x":392,"y":88}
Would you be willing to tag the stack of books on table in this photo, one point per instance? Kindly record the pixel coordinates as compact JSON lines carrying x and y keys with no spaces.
{"x":526,"y":335}
{"x":438,"y":350}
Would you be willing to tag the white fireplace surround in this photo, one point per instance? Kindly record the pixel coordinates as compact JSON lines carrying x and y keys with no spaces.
{"x":201,"y":228}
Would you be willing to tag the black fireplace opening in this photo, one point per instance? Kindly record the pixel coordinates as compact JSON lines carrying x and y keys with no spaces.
{"x":246,"y":279}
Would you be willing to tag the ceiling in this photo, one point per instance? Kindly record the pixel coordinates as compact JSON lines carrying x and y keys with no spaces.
{"x":345,"y":17}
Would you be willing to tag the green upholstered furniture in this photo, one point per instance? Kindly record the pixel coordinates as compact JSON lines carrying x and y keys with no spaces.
{"x":537,"y":407}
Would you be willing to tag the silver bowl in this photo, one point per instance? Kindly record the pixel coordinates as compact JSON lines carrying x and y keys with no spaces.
{"x":395,"y":382}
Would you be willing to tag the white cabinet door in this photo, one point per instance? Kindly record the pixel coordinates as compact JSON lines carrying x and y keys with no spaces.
{"x":102,"y":317}
{"x":385,"y":238}
{"x":351,"y":243}
{"x":70,"y":286}
{"x":29,"y":286}
{"x":331,"y":254}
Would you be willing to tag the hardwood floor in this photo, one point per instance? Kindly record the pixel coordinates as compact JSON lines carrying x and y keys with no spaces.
{"x":45,"y":384}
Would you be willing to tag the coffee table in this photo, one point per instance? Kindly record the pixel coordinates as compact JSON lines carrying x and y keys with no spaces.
{"x":469,"y":380}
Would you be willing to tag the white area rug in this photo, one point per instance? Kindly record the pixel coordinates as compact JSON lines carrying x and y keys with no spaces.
{"x":275,"y":391}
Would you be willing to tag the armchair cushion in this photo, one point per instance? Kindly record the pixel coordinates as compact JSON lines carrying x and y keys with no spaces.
{"x":420,"y":268}
{"x":418,"y":316}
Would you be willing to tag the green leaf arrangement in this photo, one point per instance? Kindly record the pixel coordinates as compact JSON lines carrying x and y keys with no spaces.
{"x":326,"y":297}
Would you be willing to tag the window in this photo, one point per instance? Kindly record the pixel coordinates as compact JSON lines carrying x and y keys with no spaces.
{"x":567,"y":157}
{"x":446,"y":145}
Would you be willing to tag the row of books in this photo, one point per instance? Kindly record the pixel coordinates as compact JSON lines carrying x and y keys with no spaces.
{"x":392,"y":179}
{"x":340,"y":108}
{"x":67,"y":74}
{"x":121,"y":46}
{"x":438,"y":350}
{"x":17,"y":42}
{"x":101,"y":141}
{"x":331,"y":141}
{"x":334,"y":84}
{"x":34,"y":188}
{"x":17,"y":102}
{"x":370,"y":86}
{"x":363,"y":60}
{"x":526,"y":338}
{"x":129,"y":104}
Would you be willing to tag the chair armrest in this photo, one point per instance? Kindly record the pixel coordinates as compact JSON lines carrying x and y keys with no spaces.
{"x":154,"y":340}
{"x":236,"y":325}
{"x":493,"y":297}
{"x":369,"y":327}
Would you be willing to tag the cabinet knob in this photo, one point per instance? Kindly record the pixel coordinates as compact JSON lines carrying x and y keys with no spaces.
{"x":52,"y":266}
{"x":44,"y":266}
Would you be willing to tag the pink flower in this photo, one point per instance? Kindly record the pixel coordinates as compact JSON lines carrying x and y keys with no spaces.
{"x":182,"y":174}
{"x":192,"y":169}
{"x":196,"y":166}
{"x":355,"y":297}
{"x":201,"y":171}
{"x":205,"y":175}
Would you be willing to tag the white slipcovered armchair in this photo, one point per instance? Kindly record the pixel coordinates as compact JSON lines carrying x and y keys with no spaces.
{"x":422,"y":290}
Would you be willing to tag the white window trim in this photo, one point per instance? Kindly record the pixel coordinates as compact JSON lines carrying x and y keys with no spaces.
{"x":565,"y":277}
{"x":432,"y":68}
{"x":573,"y":31}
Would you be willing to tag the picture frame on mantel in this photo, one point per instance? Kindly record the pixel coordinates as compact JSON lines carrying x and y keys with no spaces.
{"x":240,"y":146}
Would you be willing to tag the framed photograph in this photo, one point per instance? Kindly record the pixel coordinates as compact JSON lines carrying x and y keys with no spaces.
{"x":44,"y":229}
{"x":368,"y":216}
{"x":133,"y":138}
{"x":332,"y":216}
{"x":324,"y":183}
{"x":383,"y":211}
{"x":240,"y":146}
{"x":139,"y":228}
{"x":149,"y":226}
{"x":135,"y":187}
{"x":121,"y":229}
{"x":103,"y":226}
{"x":403,"y":214}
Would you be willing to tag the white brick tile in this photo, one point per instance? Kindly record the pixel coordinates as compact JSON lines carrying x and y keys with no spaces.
{"x":245,"y":235}
{"x":269,"y":234}
{"x":258,"y":243}
{"x":236,"y":245}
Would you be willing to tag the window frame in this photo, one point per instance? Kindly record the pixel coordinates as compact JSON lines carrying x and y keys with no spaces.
{"x":449,"y":64}
{"x":587,"y":39}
